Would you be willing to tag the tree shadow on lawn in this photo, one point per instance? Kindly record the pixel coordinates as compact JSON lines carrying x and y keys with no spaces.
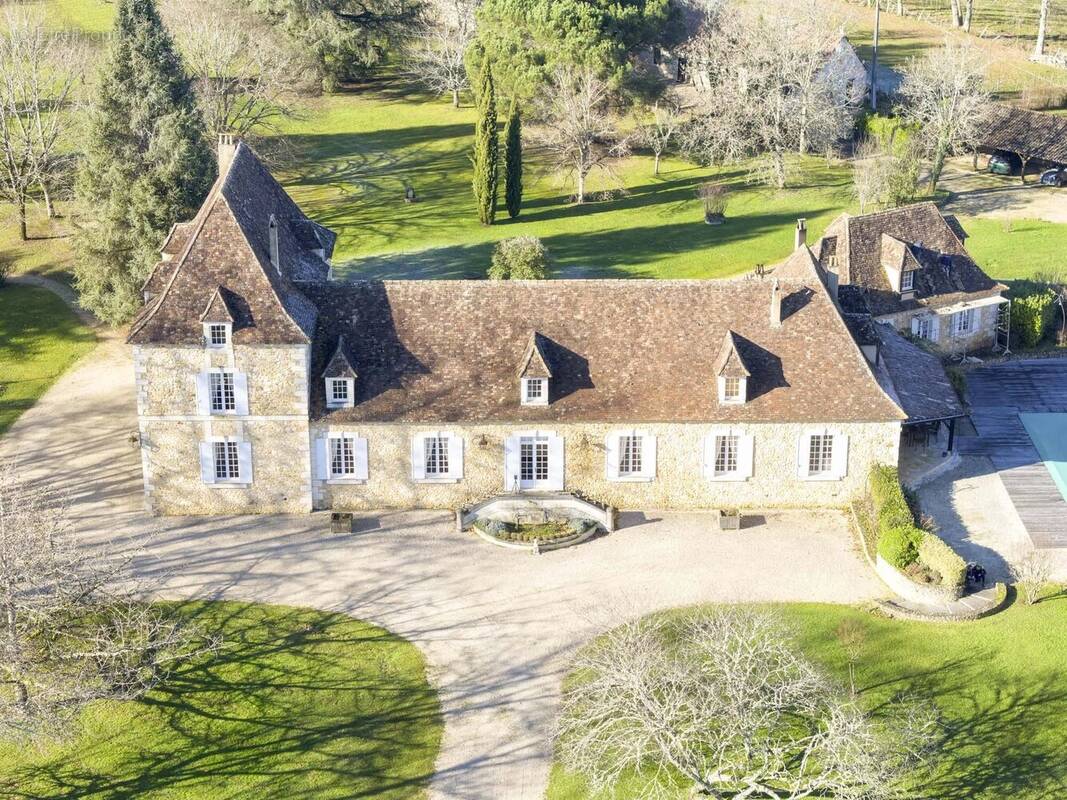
{"x":297,"y":704}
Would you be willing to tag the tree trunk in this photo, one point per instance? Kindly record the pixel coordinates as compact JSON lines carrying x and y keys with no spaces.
{"x":900,"y":8}
{"x":779,"y":170}
{"x":1022,"y":170}
{"x":1042,"y":26}
{"x":655,"y":170}
{"x":937,"y":166}
{"x":957,"y":17}
{"x":455,"y":98}
{"x":967,"y":15}
{"x":581,"y":187}
{"x":22,"y":220}
{"x":50,"y":207}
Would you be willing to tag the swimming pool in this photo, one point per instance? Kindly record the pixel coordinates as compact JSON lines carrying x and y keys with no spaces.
{"x":1048,"y":432}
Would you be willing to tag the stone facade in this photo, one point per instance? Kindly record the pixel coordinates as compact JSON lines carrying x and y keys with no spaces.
{"x":983,"y":337}
{"x":171,"y":429}
{"x":679,"y":481}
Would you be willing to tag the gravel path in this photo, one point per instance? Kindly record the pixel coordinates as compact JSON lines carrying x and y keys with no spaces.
{"x":979,"y":194}
{"x":498,"y":628}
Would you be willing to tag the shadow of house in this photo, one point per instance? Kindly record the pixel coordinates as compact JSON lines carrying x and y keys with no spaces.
{"x":766,"y":367}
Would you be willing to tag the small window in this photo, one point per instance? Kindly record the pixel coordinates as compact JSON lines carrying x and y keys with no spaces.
{"x":731,"y":390}
{"x":218,"y":334}
{"x":907,"y":281}
{"x":223,"y":396}
{"x":342,"y":457}
{"x":338,"y":391}
{"x":963,"y":321}
{"x":227,"y":461}
{"x":726,"y":454}
{"x":435,"y":456}
{"x":630,"y":449}
{"x":534,"y":391}
{"x":821,"y":454}
{"x":924,"y":328}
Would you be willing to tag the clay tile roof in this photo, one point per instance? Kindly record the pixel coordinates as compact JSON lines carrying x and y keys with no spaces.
{"x":730,"y":363}
{"x":340,"y":363}
{"x":928,"y":237}
{"x":1029,"y":134}
{"x":228,"y":244}
{"x":801,"y":265}
{"x":620,"y":350}
{"x":177,"y":238}
{"x":534,"y":362}
{"x":218,"y":307}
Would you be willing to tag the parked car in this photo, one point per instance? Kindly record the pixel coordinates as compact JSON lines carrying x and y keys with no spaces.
{"x":1054,"y":177}
{"x":1004,"y":163}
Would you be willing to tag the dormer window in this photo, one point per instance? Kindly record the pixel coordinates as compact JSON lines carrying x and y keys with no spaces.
{"x":217,"y":319}
{"x":535,"y":391}
{"x":217,"y":334}
{"x":732,"y":389}
{"x":731,"y":372}
{"x":340,"y":378}
{"x":339,"y":392}
{"x":907,"y":281}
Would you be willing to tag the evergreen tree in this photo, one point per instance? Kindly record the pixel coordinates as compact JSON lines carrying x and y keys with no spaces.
{"x":513,"y":162}
{"x":486,"y":148}
{"x":147,"y":163}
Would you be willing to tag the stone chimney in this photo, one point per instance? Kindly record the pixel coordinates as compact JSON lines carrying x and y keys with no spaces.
{"x":801,"y":237}
{"x":832,"y":282}
{"x":776,"y":304}
{"x":226,"y":150}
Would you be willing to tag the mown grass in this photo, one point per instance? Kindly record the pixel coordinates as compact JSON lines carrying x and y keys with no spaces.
{"x":40,"y":338}
{"x":998,"y":684}
{"x":1016,"y":249}
{"x":297,"y":704}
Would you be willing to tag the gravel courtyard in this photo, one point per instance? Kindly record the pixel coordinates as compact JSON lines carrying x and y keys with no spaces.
{"x":498,"y":628}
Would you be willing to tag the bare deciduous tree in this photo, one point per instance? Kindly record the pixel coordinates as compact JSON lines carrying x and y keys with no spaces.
{"x":871,"y":174}
{"x":942,"y":94}
{"x":578,"y":129}
{"x":1031,"y":575}
{"x":70,"y":633}
{"x":38,"y":76}
{"x":436,"y":52}
{"x":724,"y":701}
{"x":768,"y":89}
{"x":662,"y":128}
{"x":1042,"y":27}
{"x":249,"y":76}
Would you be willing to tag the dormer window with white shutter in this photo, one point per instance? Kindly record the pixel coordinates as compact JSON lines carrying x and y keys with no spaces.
{"x":631,"y":456}
{"x":731,"y":372}
{"x":340,"y":378}
{"x":534,"y":372}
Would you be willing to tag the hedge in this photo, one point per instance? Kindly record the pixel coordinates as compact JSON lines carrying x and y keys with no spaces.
{"x":1031,"y":317}
{"x":890,"y":506}
{"x":900,"y":546}
{"x":938,"y":556}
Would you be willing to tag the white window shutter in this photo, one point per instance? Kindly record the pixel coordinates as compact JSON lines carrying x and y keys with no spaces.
{"x":840,"y":455}
{"x":244,"y":460}
{"x":556,"y":466}
{"x":648,"y":456}
{"x":455,"y":457}
{"x":611,"y":460}
{"x":322,"y":459}
{"x":709,"y":456}
{"x":803,"y":450}
{"x":915,"y":326}
{"x":203,"y":396}
{"x":240,"y":393}
{"x":359,"y":450}
{"x":745,"y":446}
{"x":207,"y":462}
{"x":418,"y":457}
{"x":511,"y":463}
{"x":935,"y":327}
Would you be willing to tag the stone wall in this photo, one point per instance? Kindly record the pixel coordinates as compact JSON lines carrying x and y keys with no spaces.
{"x":276,"y":426}
{"x":982,"y":338}
{"x":679,"y":482}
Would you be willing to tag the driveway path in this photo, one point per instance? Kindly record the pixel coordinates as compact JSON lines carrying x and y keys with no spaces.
{"x":497,"y":628}
{"x":979,"y":194}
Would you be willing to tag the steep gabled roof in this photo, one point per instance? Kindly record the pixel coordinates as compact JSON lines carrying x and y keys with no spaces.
{"x":730,"y":362}
{"x":228,"y":244}
{"x":218,"y":308}
{"x":534,"y":362}
{"x":340,"y":363}
{"x":1031,"y":134}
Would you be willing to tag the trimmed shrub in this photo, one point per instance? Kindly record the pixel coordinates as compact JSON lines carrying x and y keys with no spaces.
{"x":900,"y":546}
{"x":519,"y":258}
{"x":890,"y":506}
{"x":1032,"y":316}
{"x":938,"y":556}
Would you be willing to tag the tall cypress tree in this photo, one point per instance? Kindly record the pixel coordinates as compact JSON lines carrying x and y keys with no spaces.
{"x":147,"y":162}
{"x":513,"y":162}
{"x":486,"y":148}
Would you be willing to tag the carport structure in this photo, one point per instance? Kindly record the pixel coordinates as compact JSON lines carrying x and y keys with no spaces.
{"x":1034,"y":137}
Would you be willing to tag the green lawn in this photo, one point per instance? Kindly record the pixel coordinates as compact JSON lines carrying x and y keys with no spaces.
{"x":1013,"y":249}
{"x":998,"y":683}
{"x":39,"y":339}
{"x":298,"y":704}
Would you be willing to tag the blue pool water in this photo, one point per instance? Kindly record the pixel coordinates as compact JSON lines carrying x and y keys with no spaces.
{"x":1049,"y":435}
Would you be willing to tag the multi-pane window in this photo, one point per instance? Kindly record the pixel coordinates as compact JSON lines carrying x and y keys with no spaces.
{"x":963,"y":321}
{"x":217,"y":335}
{"x":342,"y":457}
{"x":726,"y":454}
{"x":820,"y":454}
{"x":533,"y":460}
{"x":534,"y":391}
{"x":223,"y":397}
{"x":435,"y":456}
{"x":731,"y":388}
{"x":924,"y":327}
{"x":338,"y":391}
{"x":907,"y":281}
{"x":630,"y":455}
{"x":227,"y":462}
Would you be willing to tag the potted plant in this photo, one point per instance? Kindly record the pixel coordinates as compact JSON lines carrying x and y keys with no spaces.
{"x":729,"y":519}
{"x":713,"y":196}
{"x":340,"y":522}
